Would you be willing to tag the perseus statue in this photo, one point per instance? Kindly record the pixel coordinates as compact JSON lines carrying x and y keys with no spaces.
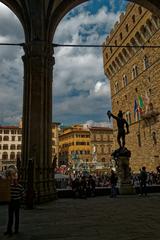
{"x":121,"y":122}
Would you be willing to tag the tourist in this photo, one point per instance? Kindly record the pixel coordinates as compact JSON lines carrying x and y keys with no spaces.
{"x":113,"y":181}
{"x":17,"y":193}
{"x":143,"y":181}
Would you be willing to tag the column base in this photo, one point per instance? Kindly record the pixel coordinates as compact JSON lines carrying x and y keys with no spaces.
{"x":126,"y":189}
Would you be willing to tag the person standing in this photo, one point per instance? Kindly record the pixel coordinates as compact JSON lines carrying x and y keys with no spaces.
{"x":143,"y":181}
{"x":113,"y":181}
{"x":17,"y":193}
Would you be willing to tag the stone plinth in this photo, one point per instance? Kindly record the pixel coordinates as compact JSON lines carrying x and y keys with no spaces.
{"x":122,"y":156}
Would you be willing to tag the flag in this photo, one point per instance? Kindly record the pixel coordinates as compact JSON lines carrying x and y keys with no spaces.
{"x":140,"y":101}
{"x":135,"y":108}
{"x":135,"y":105}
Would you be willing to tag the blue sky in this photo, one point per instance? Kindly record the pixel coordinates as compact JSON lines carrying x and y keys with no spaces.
{"x":81,"y":92}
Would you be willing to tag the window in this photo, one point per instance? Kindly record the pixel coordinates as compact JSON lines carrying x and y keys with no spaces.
{"x":5,"y":147}
{"x":121,"y":36}
{"x":19,"y":138}
{"x":133,"y":18}
{"x":6,"y":138}
{"x":125,"y":80}
{"x":145,"y":32}
{"x":116,"y":87}
{"x":106,"y":55}
{"x":13,"y":138}
{"x":134,"y":72}
{"x":12,"y":156}
{"x":146,"y":62}
{"x":19,"y":147}
{"x":12,"y":147}
{"x":140,"y":10}
{"x":110,"y":49}
{"x":115,"y":42}
{"x":5,"y":156}
{"x":127,"y":28}
{"x":6,"y":131}
{"x":0,"y":138}
{"x":139,"y":38}
{"x":150,"y":26}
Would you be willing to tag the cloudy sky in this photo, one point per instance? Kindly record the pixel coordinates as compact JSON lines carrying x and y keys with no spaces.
{"x":81,"y":92}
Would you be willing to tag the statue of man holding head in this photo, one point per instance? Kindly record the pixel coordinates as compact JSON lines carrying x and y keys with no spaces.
{"x":121,"y":122}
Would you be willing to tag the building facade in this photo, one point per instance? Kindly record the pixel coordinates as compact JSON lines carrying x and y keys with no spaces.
{"x":85,"y":145}
{"x":55,"y":142}
{"x":133,"y":69}
{"x":10,"y":146}
{"x":102,"y":145}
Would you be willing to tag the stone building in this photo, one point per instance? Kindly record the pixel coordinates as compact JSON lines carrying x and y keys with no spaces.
{"x":134,"y":74}
{"x":10,"y":146}
{"x":55,"y":141}
{"x":102,"y":145}
{"x":85,"y":145}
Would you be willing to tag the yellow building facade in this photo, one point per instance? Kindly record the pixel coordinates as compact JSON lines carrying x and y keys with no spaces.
{"x":85,"y":145}
{"x":134,"y":73}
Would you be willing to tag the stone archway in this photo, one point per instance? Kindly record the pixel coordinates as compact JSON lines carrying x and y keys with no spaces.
{"x":40,"y":19}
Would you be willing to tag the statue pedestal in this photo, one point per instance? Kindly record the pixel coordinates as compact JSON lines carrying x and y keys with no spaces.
{"x":122,"y":157}
{"x":124,"y":175}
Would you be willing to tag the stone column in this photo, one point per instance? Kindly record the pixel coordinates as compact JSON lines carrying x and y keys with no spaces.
{"x":37,"y":118}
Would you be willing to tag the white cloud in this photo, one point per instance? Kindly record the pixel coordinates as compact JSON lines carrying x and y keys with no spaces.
{"x":81,"y":91}
{"x":81,"y":69}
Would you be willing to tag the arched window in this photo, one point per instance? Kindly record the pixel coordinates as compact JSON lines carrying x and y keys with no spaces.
{"x":134,"y":44}
{"x":140,"y":10}
{"x":130,"y":49}
{"x":12,"y":147}
{"x":106,"y":55}
{"x":125,"y":80}
{"x":125,"y":53}
{"x":6,"y":138}
{"x":146,"y":62}
{"x":133,"y":18}
{"x":121,"y":58}
{"x":150,"y":25}
{"x":145,"y":32}
{"x":121,"y":36}
{"x":19,"y":146}
{"x":118,"y":62}
{"x":156,"y":20}
{"x":115,"y":66}
{"x":139,"y":38}
{"x":12,"y":156}
{"x":0,"y":138}
{"x":111,"y":68}
{"x":134,"y":71}
{"x":115,"y":42}
{"x":116,"y":87}
{"x":127,"y":28}
{"x":5,"y":147}
{"x":5,"y":156}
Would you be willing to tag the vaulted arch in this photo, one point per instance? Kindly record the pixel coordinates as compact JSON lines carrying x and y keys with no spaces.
{"x":40,"y":19}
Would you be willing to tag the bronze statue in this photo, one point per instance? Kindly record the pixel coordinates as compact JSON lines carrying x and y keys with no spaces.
{"x":121,"y":130}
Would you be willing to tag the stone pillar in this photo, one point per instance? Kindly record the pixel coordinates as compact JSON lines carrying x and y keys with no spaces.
{"x":37,"y":118}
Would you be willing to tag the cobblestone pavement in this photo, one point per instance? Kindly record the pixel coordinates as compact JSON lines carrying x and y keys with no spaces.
{"x":99,"y":218}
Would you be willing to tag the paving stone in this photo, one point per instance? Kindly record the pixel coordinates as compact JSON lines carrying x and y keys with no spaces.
{"x":100,"y":218}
